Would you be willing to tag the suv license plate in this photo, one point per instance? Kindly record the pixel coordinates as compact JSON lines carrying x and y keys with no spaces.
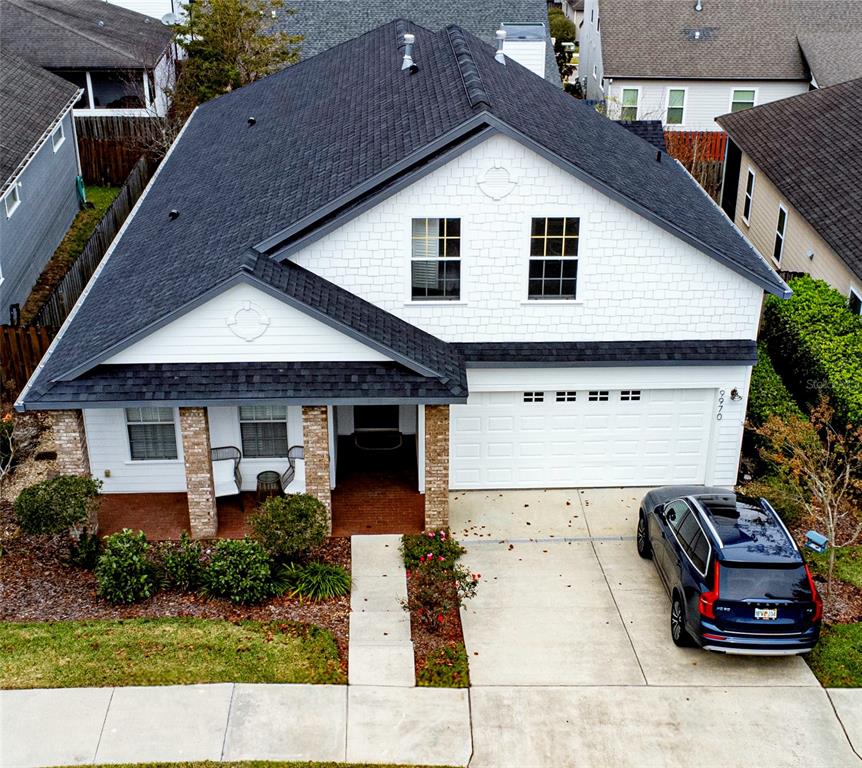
{"x":766,"y":613}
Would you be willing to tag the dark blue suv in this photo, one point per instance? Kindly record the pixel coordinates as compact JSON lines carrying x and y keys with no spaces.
{"x":736,"y":578}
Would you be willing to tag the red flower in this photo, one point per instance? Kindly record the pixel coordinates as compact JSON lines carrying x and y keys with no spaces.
{"x":440,"y":618}
{"x":440,"y":558}
{"x":421,"y":558}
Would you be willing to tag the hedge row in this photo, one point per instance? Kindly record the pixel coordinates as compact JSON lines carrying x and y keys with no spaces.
{"x":816,"y":344}
{"x":768,"y":394}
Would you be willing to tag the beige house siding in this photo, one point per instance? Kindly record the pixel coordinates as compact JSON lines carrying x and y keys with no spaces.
{"x":800,"y":238}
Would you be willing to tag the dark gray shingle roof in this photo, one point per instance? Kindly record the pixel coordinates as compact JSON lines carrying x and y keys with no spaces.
{"x":739,"y":39}
{"x":649,"y":130}
{"x":31,"y":100}
{"x":81,"y":34}
{"x":810,"y":148}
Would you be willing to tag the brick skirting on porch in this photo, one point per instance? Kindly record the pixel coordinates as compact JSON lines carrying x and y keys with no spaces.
{"x":203,"y":515}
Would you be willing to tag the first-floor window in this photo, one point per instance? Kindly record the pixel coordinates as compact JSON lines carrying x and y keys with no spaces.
{"x":554,"y":258}
{"x":749,"y":197}
{"x":12,"y":200}
{"x":264,"y":431}
{"x":435,"y":259}
{"x":675,"y":106}
{"x":743,"y":98}
{"x":152,"y":434}
{"x":855,"y":302}
{"x":629,"y":109}
{"x":780,"y":231}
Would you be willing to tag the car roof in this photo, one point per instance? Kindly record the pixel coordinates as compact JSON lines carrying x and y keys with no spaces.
{"x":746,"y":530}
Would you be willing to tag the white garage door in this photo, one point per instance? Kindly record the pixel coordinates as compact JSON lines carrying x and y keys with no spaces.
{"x":580,"y":438}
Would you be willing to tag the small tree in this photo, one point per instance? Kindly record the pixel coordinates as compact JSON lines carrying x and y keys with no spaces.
{"x":822,"y":468}
{"x":563,"y":30}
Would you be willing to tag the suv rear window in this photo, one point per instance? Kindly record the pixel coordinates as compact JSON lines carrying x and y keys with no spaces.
{"x":758,"y":583}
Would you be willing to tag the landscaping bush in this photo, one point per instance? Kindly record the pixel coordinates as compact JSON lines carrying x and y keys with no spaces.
{"x":181,"y":564}
{"x":85,"y":551}
{"x":124,"y":572}
{"x":240,"y":571}
{"x":314,"y":581}
{"x":57,"y":505}
{"x":289,"y":527}
{"x":439,"y":589}
{"x":432,"y":545}
{"x":768,"y":394}
{"x":815,"y":342}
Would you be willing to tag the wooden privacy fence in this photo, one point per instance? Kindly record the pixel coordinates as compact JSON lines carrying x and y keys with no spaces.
{"x":702,"y":155}
{"x":110,"y":146}
{"x":61,"y":300}
{"x":21,"y":349}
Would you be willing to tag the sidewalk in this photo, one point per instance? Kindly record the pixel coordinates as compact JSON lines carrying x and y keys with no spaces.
{"x":76,"y":726}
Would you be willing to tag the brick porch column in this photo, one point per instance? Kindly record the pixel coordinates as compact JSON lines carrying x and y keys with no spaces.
{"x":200,"y":487}
{"x":73,"y":458}
{"x":436,"y":466}
{"x":315,"y":438}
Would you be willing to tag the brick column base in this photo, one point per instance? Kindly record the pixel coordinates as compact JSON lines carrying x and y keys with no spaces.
{"x":436,"y":466}
{"x":315,"y":437}
{"x":73,"y":458}
{"x":200,"y":487}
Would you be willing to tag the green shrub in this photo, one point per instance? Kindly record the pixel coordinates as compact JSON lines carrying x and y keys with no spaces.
{"x":57,"y":505}
{"x":446,"y":667}
{"x":314,"y":581}
{"x":768,"y":395}
{"x":240,"y":571}
{"x":433,"y":545}
{"x":815,"y":342}
{"x":181,"y":564}
{"x":289,"y":527}
{"x":124,"y":572}
{"x":85,"y":550}
{"x":439,"y":590}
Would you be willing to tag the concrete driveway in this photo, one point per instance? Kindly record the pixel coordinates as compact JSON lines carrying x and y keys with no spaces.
{"x":572,"y":662}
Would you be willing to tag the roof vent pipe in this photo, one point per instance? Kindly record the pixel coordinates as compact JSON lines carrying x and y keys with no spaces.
{"x":698,"y":6}
{"x":501,"y":38}
{"x":408,"y":50}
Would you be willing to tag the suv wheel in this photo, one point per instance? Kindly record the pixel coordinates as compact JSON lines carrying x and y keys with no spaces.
{"x":644,"y":546}
{"x":678,"y":632}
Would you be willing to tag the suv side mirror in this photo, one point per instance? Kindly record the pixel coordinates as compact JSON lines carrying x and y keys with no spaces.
{"x":659,"y":510}
{"x":670,"y":515}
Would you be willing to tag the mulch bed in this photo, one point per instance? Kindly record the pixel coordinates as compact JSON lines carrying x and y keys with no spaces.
{"x":37,"y":584}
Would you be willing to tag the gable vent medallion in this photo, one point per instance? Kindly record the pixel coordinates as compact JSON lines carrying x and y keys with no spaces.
{"x":249,"y":322}
{"x":497,"y":183}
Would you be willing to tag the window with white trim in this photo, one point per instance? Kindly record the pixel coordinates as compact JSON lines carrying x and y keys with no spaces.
{"x":554,"y":258}
{"x":749,"y":196}
{"x":780,"y":233}
{"x":567,"y":396}
{"x":598,"y":395}
{"x":263,"y":429}
{"x":629,"y":109}
{"x":742,"y":99}
{"x":630,"y":395}
{"x":435,"y":259}
{"x":12,"y":200}
{"x":58,"y":137}
{"x":534,"y":397}
{"x":152,"y":434}
{"x":675,"y":106}
{"x":855,"y":302}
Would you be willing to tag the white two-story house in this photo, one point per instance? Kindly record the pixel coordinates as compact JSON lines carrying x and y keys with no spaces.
{"x":427,"y":261}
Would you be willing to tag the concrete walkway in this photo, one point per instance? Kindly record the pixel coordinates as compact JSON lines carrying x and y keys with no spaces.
{"x":380,"y":648}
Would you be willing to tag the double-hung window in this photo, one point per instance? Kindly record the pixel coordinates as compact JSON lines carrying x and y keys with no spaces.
{"x":435,"y":259}
{"x":629,"y":109}
{"x":554,"y":258}
{"x":152,"y":434}
{"x":264,"y":431}
{"x":780,"y":232}
{"x":675,"y":106}
{"x":742,"y":98}
{"x":749,"y":197}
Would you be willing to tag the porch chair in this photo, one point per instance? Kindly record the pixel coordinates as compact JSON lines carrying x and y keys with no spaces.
{"x":294,"y":453}
{"x":226,"y":475}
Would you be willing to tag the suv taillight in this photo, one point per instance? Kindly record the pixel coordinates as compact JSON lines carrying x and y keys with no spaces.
{"x":706,"y":604}
{"x":818,"y":601}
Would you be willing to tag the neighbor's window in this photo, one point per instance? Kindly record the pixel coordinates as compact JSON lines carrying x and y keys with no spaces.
{"x":675,"y":106}
{"x":598,"y":396}
{"x":58,"y":137}
{"x":12,"y":200}
{"x":780,"y":231}
{"x":629,"y":109}
{"x":116,"y":90}
{"x":855,"y":302}
{"x":152,"y":435}
{"x":264,"y":431}
{"x":435,"y":266}
{"x":534,"y":397}
{"x":79,"y":78}
{"x":554,"y":259}
{"x":743,"y":98}
{"x":749,"y":197}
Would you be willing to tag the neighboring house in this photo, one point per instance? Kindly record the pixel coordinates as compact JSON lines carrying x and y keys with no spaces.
{"x":325,"y":25}
{"x":574,"y":11}
{"x":522,"y":293}
{"x":121,"y":60}
{"x":38,"y":172}
{"x":672,"y":62}
{"x":793,"y":183}
{"x":157,"y":9}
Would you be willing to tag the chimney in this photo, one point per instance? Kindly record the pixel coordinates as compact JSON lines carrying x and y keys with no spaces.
{"x":408,"y":51}
{"x":501,"y":38}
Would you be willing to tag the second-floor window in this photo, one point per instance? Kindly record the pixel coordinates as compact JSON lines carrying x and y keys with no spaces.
{"x":749,"y":197}
{"x":743,"y":98}
{"x":780,"y":232}
{"x":435,"y":259}
{"x":554,"y":258}
{"x":629,"y":110}
{"x":675,"y":106}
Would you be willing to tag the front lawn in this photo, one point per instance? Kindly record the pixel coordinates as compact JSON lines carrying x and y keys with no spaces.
{"x":837,"y":658}
{"x":69,"y":654}
{"x":848,"y":564}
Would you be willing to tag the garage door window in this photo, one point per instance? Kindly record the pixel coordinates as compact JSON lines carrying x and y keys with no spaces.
{"x":627,"y":395}
{"x":534,"y":397}
{"x":554,"y":258}
{"x":599,"y":396}
{"x":567,"y":397}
